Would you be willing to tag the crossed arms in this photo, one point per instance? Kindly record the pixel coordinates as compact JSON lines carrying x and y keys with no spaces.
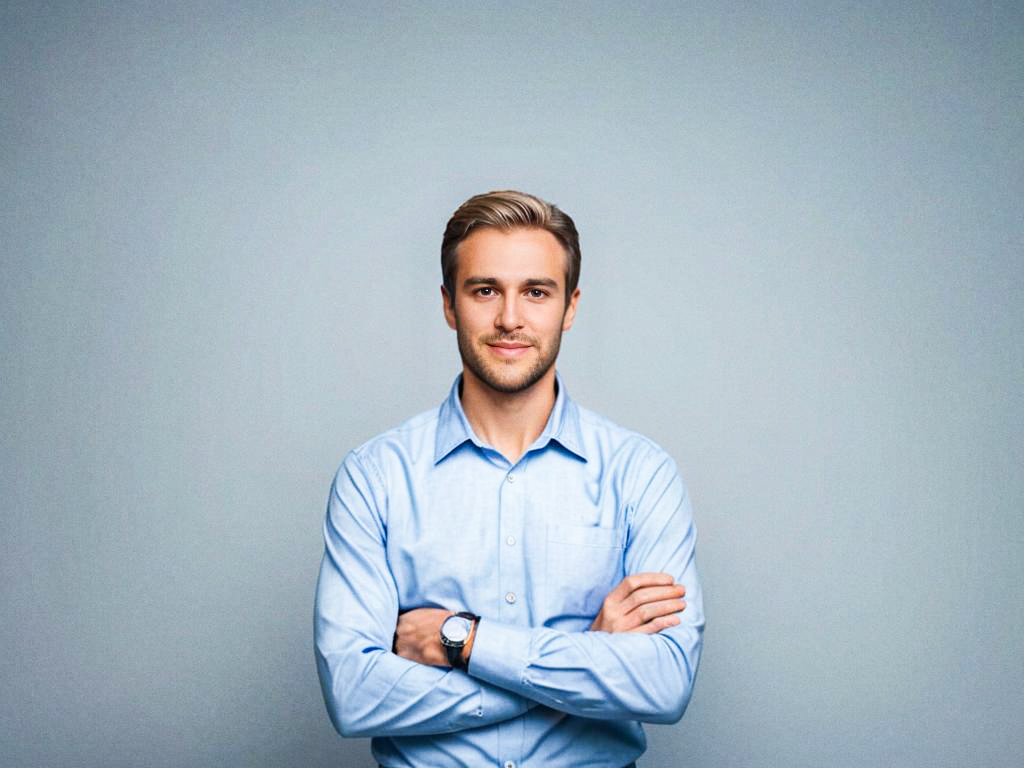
{"x":642,"y":602}
{"x":385,"y":675}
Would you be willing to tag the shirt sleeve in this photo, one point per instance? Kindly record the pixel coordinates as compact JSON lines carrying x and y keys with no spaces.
{"x":368,"y":690}
{"x":622,"y":675}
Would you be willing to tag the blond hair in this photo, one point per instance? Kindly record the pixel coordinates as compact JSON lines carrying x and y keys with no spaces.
{"x":508,"y":209}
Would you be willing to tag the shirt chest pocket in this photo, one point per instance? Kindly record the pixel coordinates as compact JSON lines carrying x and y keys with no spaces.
{"x":582,"y":565}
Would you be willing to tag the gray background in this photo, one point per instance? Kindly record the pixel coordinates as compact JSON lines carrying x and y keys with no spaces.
{"x":802,"y":236}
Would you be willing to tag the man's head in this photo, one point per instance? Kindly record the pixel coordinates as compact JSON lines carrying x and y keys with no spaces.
{"x":511,"y":266}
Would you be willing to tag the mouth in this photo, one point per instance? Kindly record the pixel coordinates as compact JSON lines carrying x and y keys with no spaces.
{"x":508,"y":349}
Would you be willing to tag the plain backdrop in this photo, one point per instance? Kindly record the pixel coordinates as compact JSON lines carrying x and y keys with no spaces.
{"x":802,"y":242}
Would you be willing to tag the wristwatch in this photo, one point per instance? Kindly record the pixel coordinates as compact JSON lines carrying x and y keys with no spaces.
{"x":455,"y":631}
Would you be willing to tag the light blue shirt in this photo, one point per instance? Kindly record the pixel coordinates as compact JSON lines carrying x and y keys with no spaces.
{"x":428,"y":514}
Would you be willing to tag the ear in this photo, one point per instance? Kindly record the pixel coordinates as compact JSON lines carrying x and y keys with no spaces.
{"x":570,"y":310}
{"x":449,"y":308}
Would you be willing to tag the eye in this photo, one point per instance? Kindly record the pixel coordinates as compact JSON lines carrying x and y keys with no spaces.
{"x":485,"y":291}
{"x":536,"y":293}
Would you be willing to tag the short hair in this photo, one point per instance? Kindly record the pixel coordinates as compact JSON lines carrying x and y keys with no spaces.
{"x":505,"y":210}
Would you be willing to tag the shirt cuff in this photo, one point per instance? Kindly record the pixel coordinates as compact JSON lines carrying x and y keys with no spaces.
{"x":500,"y":654}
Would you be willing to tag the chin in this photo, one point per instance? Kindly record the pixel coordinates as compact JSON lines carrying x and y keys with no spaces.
{"x":511,"y":384}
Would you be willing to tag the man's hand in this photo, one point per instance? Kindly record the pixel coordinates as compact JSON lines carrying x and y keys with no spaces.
{"x":418,"y":636}
{"x":642,"y":602}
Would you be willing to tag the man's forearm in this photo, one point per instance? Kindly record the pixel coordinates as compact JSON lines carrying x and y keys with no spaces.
{"x":647,"y":677}
{"x":373,"y":692}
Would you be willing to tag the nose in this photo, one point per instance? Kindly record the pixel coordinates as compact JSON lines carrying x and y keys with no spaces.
{"x":509,"y":318}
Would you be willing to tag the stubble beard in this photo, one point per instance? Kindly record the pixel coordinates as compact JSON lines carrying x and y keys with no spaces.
{"x":490,"y":372}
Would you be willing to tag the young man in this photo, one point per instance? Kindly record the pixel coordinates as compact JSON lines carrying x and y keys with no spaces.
{"x":504,"y":575}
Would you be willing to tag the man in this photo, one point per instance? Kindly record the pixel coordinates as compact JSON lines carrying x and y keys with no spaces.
{"x":504,"y":575}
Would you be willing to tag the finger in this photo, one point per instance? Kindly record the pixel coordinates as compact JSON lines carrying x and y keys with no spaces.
{"x":651,"y":594}
{"x":657,"y":625}
{"x":636,"y":581}
{"x":650,"y":611}
{"x":646,"y":613}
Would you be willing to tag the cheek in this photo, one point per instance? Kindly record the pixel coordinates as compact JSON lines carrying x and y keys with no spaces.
{"x":473,"y":319}
{"x":552,"y":321}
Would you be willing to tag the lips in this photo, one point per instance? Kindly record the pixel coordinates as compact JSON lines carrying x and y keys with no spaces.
{"x":508,"y":349}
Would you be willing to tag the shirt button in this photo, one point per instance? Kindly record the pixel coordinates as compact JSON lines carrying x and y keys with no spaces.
{"x":509,"y":764}
{"x":510,"y":597}
{"x":511,"y":541}
{"x":511,"y":478}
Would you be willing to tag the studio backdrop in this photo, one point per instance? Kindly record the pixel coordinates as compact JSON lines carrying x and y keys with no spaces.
{"x":802,"y":275}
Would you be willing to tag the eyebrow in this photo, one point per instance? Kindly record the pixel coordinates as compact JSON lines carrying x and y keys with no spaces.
{"x":545,"y":282}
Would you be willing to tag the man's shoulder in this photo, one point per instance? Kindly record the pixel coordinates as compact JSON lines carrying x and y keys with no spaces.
{"x":412,"y":439}
{"x":614,"y":439}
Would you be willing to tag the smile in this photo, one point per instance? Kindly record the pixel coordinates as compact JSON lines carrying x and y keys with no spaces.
{"x":509,"y":350}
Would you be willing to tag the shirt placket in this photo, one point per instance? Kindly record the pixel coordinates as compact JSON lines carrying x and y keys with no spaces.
{"x":512,"y":585}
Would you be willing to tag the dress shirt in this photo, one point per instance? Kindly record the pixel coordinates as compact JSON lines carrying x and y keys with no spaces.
{"x":429,"y":515}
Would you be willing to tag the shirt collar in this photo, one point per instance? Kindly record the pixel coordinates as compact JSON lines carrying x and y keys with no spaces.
{"x":454,"y":429}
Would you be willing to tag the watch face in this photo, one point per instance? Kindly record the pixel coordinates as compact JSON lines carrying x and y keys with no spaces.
{"x":456,"y":629}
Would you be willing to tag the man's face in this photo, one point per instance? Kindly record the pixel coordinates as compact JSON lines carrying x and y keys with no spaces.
{"x":509,"y":307}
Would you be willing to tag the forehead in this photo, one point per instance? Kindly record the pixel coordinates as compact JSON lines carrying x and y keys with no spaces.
{"x":515,"y":254}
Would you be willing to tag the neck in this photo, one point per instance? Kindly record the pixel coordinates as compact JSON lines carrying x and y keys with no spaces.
{"x":509,"y":422}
